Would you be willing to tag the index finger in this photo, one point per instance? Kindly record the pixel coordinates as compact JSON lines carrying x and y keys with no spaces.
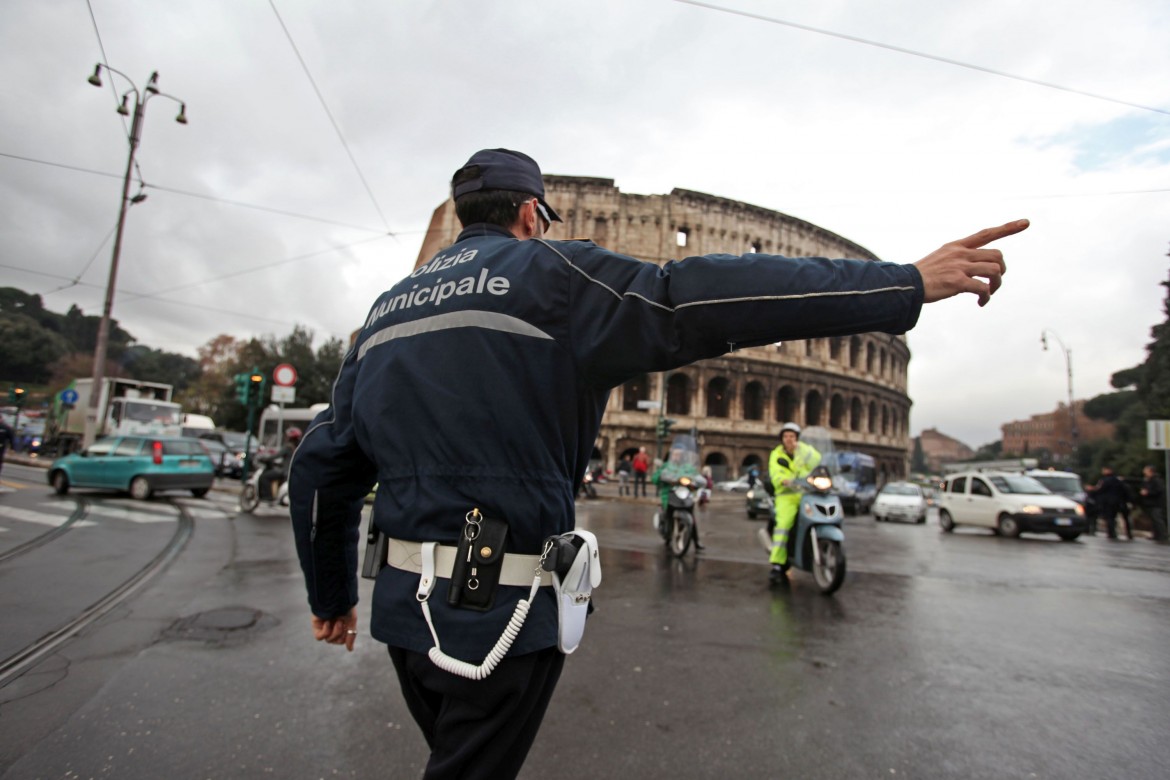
{"x":987,"y":235}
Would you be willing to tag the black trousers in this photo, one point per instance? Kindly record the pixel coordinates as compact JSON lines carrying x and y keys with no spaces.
{"x":639,"y":479}
{"x":478,"y":728}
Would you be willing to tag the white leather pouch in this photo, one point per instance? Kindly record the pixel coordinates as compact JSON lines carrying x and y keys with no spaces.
{"x":575,"y":590}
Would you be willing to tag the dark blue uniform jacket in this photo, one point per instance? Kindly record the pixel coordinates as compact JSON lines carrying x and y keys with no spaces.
{"x":480,"y":381}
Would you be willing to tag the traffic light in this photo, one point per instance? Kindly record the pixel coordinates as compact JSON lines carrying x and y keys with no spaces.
{"x":16,"y":396}
{"x":256,"y":385}
{"x":664,"y":426}
{"x":243,"y":385}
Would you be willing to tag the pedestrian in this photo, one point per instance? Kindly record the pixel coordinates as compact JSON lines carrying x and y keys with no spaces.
{"x":7,"y":439}
{"x":1153,"y":501}
{"x":641,"y":471}
{"x":443,"y":402}
{"x":1110,"y":495}
{"x":625,"y":469}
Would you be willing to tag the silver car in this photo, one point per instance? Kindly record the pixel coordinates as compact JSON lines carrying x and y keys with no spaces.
{"x":900,"y":501}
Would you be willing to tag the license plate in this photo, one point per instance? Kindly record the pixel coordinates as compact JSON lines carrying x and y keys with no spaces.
{"x":1064,"y":521}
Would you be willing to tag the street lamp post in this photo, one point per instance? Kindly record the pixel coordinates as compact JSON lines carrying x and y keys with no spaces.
{"x":103,"y":335}
{"x":1072,"y":415}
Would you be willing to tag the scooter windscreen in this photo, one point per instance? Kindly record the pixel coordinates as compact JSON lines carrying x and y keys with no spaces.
{"x":682,"y":460}
{"x":820,"y":440}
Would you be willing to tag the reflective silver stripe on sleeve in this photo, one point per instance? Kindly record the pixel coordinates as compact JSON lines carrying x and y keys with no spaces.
{"x":488,"y":320}
{"x":713,"y":301}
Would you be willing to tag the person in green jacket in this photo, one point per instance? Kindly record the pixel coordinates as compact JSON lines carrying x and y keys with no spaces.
{"x":792,"y":460}
{"x":683,"y":461}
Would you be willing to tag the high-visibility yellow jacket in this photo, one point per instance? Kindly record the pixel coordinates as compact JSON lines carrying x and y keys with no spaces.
{"x":782,"y":466}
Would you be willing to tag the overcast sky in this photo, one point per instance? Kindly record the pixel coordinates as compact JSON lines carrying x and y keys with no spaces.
{"x":260,"y":216}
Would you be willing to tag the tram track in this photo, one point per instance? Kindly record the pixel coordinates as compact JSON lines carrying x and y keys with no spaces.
{"x":16,"y":663}
{"x":79,"y":513}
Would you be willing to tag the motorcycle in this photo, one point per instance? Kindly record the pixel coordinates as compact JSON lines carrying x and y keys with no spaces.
{"x":251,"y":494}
{"x":758,"y":501}
{"x":588,"y":486}
{"x":816,"y":543}
{"x":680,"y":474}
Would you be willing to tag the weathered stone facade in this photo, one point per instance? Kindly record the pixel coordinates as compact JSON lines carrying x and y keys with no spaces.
{"x":856,"y":386}
{"x":1048,"y":433}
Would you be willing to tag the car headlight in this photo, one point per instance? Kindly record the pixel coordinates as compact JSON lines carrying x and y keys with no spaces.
{"x":1030,"y":509}
{"x":1080,"y":510}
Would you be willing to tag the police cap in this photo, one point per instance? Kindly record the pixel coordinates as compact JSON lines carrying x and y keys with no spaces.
{"x":503,"y":169}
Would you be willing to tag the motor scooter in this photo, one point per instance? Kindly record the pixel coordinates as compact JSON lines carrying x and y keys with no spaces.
{"x":251,"y":495}
{"x":816,"y":543}
{"x":587,"y":485}
{"x":678,"y":527}
{"x":758,"y":501}
{"x":680,"y":473}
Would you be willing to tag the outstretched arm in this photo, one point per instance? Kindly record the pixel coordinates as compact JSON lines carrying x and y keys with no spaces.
{"x":960,"y":266}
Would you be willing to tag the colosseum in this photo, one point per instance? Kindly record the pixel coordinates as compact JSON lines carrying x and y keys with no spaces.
{"x":855,"y":386}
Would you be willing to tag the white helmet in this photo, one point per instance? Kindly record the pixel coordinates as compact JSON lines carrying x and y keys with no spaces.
{"x":790,"y":426}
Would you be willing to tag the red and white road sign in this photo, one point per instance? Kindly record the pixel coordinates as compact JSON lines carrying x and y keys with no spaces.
{"x":284,"y":375}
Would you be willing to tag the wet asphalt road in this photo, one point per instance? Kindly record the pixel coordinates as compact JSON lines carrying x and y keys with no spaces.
{"x":956,"y":656}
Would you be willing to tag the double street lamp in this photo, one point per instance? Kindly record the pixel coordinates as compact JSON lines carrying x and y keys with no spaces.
{"x":103,"y":335}
{"x":1072,"y":415}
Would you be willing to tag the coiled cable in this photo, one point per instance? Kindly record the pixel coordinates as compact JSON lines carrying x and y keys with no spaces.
{"x":497,"y":653}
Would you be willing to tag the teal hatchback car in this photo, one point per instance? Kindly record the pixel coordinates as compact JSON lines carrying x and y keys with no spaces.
{"x":139,"y":465}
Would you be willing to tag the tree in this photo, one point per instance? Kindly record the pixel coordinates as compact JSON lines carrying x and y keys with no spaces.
{"x":152,"y":365}
{"x":918,"y":459}
{"x":27,"y":349}
{"x":316,"y":370}
{"x":1129,"y":409}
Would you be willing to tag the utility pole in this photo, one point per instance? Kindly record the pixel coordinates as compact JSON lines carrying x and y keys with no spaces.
{"x":103,"y":334}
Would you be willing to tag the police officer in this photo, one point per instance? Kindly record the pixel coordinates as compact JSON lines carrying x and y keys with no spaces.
{"x":476,"y":387}
{"x":792,"y":460}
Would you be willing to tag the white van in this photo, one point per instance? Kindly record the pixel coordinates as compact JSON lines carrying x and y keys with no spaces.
{"x":275,"y":420}
{"x":195,"y":424}
{"x":1063,"y":483}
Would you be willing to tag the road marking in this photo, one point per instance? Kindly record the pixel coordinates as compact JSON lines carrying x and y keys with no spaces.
{"x":40,"y":518}
{"x":204,"y":511}
{"x":134,"y":516}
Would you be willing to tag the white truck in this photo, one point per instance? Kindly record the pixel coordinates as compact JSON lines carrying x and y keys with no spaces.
{"x":125,"y":406}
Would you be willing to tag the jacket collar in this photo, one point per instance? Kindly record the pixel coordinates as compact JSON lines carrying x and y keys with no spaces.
{"x":483,"y":229}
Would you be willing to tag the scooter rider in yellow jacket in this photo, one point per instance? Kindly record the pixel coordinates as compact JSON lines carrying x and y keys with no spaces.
{"x":792,"y":460}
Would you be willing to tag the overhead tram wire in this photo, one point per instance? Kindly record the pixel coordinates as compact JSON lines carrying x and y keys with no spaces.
{"x":924,"y":55}
{"x":328,"y":113}
{"x":202,"y":196}
{"x":134,"y":295}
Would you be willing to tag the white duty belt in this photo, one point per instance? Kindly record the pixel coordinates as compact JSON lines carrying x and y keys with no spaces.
{"x":432,"y":560}
{"x":516,"y":569}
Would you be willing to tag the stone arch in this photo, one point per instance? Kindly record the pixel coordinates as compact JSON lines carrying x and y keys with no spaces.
{"x":837,"y":411}
{"x":870,"y":357}
{"x":751,"y":459}
{"x":873,"y":417}
{"x":635,"y":390}
{"x":719,"y":397}
{"x":753,"y":401}
{"x":786,"y":404}
{"x":814,"y":408}
{"x":854,"y":351}
{"x":678,"y":394}
{"x":855,"y":414}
